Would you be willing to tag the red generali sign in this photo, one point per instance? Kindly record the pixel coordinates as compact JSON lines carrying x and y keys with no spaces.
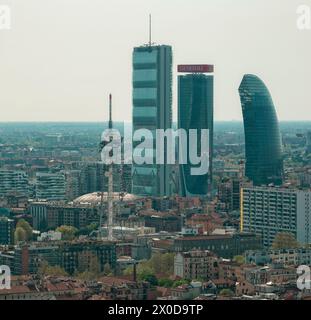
{"x":196,"y":68}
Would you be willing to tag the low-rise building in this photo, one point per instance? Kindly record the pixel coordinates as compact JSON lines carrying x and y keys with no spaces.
{"x":50,"y":236}
{"x":47,"y":288}
{"x":162,"y":221}
{"x":290,"y":257}
{"x":50,"y":215}
{"x":196,"y":264}
{"x":244,"y":288}
{"x":275,"y":274}
{"x":122,"y":289}
{"x":225,"y":246}
{"x":187,"y":292}
{"x":75,"y":256}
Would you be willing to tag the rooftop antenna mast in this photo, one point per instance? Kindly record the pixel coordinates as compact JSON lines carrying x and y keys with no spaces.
{"x":150,"y":30}
{"x":110,"y":111}
{"x":150,"y":43}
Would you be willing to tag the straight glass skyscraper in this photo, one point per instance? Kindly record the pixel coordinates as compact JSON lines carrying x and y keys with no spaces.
{"x":195,"y":111}
{"x":152,"y":109}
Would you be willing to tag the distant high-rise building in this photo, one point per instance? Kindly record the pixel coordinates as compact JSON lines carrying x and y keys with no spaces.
{"x":6,"y":231}
{"x":308,"y":142}
{"x":263,"y":146}
{"x":12,"y":181}
{"x":152,"y":109}
{"x":229,"y":194}
{"x":73,"y":184}
{"x":236,"y":189}
{"x":93,"y":179}
{"x":196,"y":111}
{"x":50,"y":186}
{"x":269,"y":211}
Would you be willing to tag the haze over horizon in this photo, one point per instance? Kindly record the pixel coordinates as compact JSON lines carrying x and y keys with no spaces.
{"x":61,"y":59}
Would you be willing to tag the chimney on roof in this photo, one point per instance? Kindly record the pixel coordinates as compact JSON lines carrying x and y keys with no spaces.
{"x":135,"y":272}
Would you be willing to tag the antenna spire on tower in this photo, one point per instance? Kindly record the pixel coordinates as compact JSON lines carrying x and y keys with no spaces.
{"x":150,"y":30}
{"x":110,"y":111}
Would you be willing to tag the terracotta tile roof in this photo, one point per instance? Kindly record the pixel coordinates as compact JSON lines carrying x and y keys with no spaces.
{"x":15,"y":290}
{"x":115,"y":281}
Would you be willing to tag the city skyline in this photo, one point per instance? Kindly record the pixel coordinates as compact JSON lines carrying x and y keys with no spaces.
{"x":71,"y":83}
{"x":191,"y":183}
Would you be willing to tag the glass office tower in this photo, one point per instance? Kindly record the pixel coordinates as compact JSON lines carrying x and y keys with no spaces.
{"x":195,"y":111}
{"x":152,"y":109}
{"x":263,"y":147}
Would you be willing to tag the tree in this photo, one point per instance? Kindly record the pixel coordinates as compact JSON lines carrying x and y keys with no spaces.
{"x":145,"y":273}
{"x":167,"y":263}
{"x":23,"y":224}
{"x":284,"y":240}
{"x":167,"y":283}
{"x":151,"y":278}
{"x":56,"y":271}
{"x":46,"y":270}
{"x":162,"y":263}
{"x":226,"y":293}
{"x":239,"y":259}
{"x":159,"y":263}
{"x":155,"y":263}
{"x":128,"y":271}
{"x":68,"y":232}
{"x":180,"y":283}
{"x":93,"y":270}
{"x":20,"y":235}
{"x":88,"y":229}
{"x":107,"y":269}
{"x":43,"y":265}
{"x":143,"y":270}
{"x":85,"y":276}
{"x":94,"y":266}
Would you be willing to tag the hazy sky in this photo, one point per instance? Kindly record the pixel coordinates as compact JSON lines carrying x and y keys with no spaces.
{"x":62,"y":58}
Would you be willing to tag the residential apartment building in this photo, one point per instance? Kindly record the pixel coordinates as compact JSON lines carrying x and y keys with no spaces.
{"x":12,"y":181}
{"x":6,"y":231}
{"x":50,"y":186}
{"x":75,"y":256}
{"x":225,"y":246}
{"x":196,"y":264}
{"x":291,"y":257}
{"x":50,"y":215}
{"x":268,"y":211}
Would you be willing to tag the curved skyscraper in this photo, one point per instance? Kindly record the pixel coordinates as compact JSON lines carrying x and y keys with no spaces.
{"x":263,"y":147}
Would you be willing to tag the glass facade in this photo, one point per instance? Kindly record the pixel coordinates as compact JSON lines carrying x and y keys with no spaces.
{"x":263,"y":147}
{"x":195,"y":111}
{"x":152,"y":109}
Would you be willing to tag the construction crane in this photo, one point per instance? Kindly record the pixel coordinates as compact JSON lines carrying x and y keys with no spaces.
{"x":110,"y":197}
